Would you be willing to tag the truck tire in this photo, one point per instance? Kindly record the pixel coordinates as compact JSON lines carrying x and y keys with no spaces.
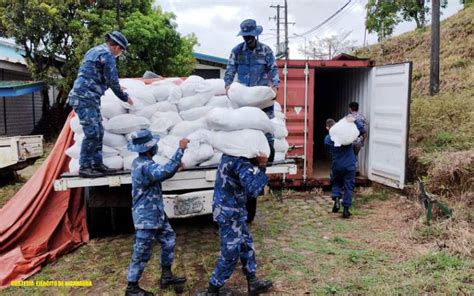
{"x":251,"y":209}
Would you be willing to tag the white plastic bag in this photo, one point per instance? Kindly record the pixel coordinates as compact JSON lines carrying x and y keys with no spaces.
{"x":142,"y":94}
{"x":148,"y":111}
{"x":76,"y":125}
{"x":128,"y":161}
{"x":279,"y":156}
{"x":222,"y":119}
{"x":279,"y":128}
{"x":196,"y":153}
{"x":219,"y":101}
{"x":194,"y":101}
{"x":277,"y":107}
{"x":214,"y":160}
{"x":161,"y":160}
{"x":281,"y":145}
{"x":247,"y":143}
{"x":74,"y":151}
{"x":195,"y":113}
{"x":168,"y":145}
{"x":162,"y":91}
{"x":110,"y":110}
{"x":74,"y":165}
{"x":217,"y":85}
{"x":128,"y":83}
{"x":162,"y":122}
{"x":188,"y":87}
{"x":114,"y":162}
{"x":126,"y":123}
{"x":344,"y":132}
{"x":185,"y":128}
{"x":114,"y":140}
{"x":256,"y":96}
{"x":108,"y":151}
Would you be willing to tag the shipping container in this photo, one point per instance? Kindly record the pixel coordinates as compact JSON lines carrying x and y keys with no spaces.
{"x":313,"y":90}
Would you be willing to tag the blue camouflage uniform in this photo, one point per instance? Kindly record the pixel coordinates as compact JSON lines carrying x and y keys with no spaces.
{"x":254,"y":68}
{"x":148,"y":212}
{"x":98,"y":72}
{"x":361,"y":123}
{"x":236,"y":180}
{"x":343,"y":169}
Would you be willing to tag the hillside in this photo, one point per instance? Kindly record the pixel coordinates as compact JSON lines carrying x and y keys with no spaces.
{"x":441,"y":127}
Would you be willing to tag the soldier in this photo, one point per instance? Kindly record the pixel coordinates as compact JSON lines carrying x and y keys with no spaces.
{"x":343,"y":169}
{"x":97,"y":73}
{"x":254,"y":64}
{"x":237,"y":179}
{"x":361,"y":122}
{"x":148,"y":212}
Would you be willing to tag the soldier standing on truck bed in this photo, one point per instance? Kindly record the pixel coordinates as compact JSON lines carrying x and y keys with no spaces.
{"x":149,"y":217}
{"x":254,"y":63}
{"x":98,"y":72}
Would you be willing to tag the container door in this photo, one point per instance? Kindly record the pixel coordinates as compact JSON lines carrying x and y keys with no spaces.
{"x":388,"y":124}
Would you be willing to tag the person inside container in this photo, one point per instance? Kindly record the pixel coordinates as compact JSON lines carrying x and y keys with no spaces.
{"x":343,"y":170}
{"x":149,"y":217}
{"x":237,"y":179}
{"x":360,"y":121}
{"x":255,"y":65}
{"x":97,"y":73}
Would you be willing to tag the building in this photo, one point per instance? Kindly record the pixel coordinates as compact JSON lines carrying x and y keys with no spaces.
{"x":20,"y":98}
{"x":208,"y":66}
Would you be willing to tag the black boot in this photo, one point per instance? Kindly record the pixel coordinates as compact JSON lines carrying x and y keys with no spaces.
{"x":89,"y":173}
{"x":337,"y":205}
{"x":214,"y":291}
{"x":134,"y":290}
{"x":346,"y":214}
{"x":257,"y":286}
{"x":167,"y":278}
{"x":103,"y":168}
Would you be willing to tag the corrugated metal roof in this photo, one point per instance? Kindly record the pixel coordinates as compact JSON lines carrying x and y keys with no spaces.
{"x":18,"y":88}
{"x":210,"y":58}
{"x":12,"y":53}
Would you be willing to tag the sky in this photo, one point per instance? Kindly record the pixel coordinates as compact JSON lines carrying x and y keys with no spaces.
{"x":216,"y":22}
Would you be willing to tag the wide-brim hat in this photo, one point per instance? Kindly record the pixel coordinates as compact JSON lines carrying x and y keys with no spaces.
{"x":118,"y":38}
{"x":249,"y":28}
{"x":142,"y":141}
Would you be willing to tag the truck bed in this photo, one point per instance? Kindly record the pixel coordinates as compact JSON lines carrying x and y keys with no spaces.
{"x":192,"y":178}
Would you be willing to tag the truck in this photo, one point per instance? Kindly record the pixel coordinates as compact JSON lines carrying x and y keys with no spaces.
{"x":187,"y":194}
{"x":18,"y":152}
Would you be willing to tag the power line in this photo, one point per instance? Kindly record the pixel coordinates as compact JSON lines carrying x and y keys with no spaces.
{"x":326,"y":20}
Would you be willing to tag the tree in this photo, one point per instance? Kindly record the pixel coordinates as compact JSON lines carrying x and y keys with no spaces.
{"x":417,"y":10}
{"x":382,"y":17}
{"x":56,"y":34}
{"x":329,"y":47}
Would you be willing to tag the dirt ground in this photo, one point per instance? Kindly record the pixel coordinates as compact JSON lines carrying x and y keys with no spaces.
{"x":300,"y":245}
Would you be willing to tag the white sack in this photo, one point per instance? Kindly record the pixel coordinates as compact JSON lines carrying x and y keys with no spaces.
{"x":185,"y":128}
{"x":246,"y":143}
{"x":162,"y":122}
{"x":128,"y":161}
{"x":78,"y":137}
{"x":162,"y":92}
{"x":74,"y":165}
{"x":222,"y":119}
{"x":114,"y":140}
{"x":148,"y":111}
{"x":124,"y":152}
{"x":188,"y":87}
{"x":161,"y":160}
{"x":281,"y":145}
{"x":128,"y":84}
{"x":137,"y":105}
{"x":76,"y":125}
{"x":114,"y":162}
{"x":214,"y":160}
{"x":126,"y":123}
{"x":196,"y":153}
{"x":219,"y":101}
{"x":279,"y":156}
{"x":277,"y":107}
{"x":279,"y":128}
{"x":194,"y":101}
{"x":175,"y":95}
{"x":142,"y":94}
{"x":108,"y":151}
{"x":217,"y":86}
{"x":280,"y":115}
{"x":75,"y":151}
{"x":109,"y":97}
{"x":168,"y":145}
{"x":168,"y":80}
{"x":110,"y":110}
{"x":344,"y":132}
{"x":256,"y":96}
{"x":195,"y":113}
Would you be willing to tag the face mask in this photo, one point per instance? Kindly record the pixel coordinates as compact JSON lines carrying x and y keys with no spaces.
{"x":249,"y":39}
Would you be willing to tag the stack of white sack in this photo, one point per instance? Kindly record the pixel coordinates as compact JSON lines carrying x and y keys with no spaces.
{"x":280,"y":132}
{"x":344,"y":132}
{"x":176,"y":109}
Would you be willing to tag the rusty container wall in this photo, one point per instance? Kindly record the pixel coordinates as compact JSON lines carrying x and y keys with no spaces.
{"x":355,"y":77}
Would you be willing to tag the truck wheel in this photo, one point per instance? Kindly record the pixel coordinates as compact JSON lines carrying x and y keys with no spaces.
{"x":251,"y":209}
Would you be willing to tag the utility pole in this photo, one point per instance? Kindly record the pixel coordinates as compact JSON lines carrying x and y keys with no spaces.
{"x":277,"y":18}
{"x":434,"y":64}
{"x":286,"y":31}
{"x":117,"y":11}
